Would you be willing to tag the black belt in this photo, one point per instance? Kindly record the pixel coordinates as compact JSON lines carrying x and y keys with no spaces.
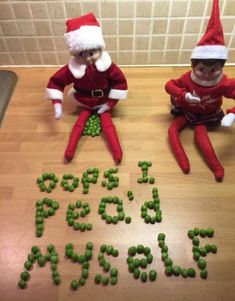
{"x":98,"y":93}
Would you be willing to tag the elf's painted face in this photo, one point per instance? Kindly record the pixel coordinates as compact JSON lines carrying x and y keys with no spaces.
{"x":207,"y":73}
{"x":88,"y":57}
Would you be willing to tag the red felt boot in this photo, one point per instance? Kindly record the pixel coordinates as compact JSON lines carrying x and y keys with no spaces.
{"x":177,"y":148}
{"x":111,"y":136}
{"x":205,"y":146}
{"x":76,"y":134}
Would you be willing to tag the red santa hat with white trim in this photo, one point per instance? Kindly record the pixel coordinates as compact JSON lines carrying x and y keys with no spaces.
{"x":84,"y":33}
{"x":211,"y":45}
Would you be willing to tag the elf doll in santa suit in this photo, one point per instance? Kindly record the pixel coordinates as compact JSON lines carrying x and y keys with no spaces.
{"x":98,"y":84}
{"x":197,"y":96}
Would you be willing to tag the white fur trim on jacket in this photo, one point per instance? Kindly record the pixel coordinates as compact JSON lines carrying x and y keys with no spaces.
{"x":104,"y":62}
{"x":54,"y":94}
{"x":210,"y":52}
{"x":84,"y":38}
{"x":78,"y":70}
{"x":118,"y":94}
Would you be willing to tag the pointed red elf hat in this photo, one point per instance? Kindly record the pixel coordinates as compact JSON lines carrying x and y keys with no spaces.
{"x":83,"y":33}
{"x":211,"y":45}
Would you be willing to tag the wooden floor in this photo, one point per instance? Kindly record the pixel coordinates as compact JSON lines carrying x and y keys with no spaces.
{"x":32,"y":142}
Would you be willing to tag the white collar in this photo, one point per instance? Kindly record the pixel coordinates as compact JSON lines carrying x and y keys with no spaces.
{"x":205,"y":83}
{"x":78,"y":70}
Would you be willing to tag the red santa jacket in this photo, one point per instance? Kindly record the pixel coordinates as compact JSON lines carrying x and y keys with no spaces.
{"x":96,"y":84}
{"x":210,"y":94}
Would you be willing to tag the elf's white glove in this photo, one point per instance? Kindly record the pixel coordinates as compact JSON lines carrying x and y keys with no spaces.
{"x":228,"y":119}
{"x":191,"y":98}
{"x":58,"y":110}
{"x":102,"y":108}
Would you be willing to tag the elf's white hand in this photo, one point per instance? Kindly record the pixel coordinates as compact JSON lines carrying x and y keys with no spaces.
{"x":58,"y":110}
{"x":103,"y":108}
{"x":191,"y":98}
{"x":228,"y":120}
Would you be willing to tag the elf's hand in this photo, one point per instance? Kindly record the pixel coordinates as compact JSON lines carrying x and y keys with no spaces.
{"x":191,"y":98}
{"x":103,"y":108}
{"x":228,"y":120}
{"x":58,"y":110}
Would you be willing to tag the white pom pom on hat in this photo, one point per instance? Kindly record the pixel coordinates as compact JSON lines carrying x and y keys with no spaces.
{"x":84,"y":33}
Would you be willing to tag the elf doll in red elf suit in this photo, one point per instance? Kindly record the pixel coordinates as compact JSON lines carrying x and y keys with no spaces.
{"x":197,"y":96}
{"x":98,"y":84}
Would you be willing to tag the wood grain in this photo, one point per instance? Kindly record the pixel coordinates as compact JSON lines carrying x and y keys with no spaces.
{"x":33,"y":142}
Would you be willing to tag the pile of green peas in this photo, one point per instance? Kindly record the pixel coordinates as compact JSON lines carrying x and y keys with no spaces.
{"x":112,"y":181}
{"x":90,"y":176}
{"x":144,"y":167}
{"x":41,"y":213}
{"x":112,"y":219}
{"x":36,"y":256}
{"x":72,"y":215}
{"x":109,"y":250}
{"x":134,"y":264}
{"x":93,"y":126}
{"x":81,"y":259}
{"x":152,"y":205}
{"x":170,"y":269}
{"x":199,"y":252}
{"x":65,"y":182}
{"x":47,"y":177}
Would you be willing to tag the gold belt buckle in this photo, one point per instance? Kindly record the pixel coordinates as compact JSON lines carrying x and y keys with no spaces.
{"x":97,"y":93}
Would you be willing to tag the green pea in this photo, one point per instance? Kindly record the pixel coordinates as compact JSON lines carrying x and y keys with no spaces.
{"x":147,"y":251}
{"x":169,"y":270}
{"x":151,"y":180}
{"x":28,"y":265}
{"x":152,"y":275}
{"x":22,"y":284}
{"x":74,"y":284}
{"x":202,"y":233}
{"x":105,"y":280}
{"x":201,"y":264}
{"x":210,"y":232}
{"x":191,"y":273}
{"x":196,"y":241}
{"x":136,"y":273}
{"x":128,"y":220}
{"x":184,"y":273}
{"x":25,"y":276}
{"x":196,"y":256}
{"x":143,"y":276}
{"x":191,"y":234}
{"x":161,"y":236}
{"x":132,"y":251}
{"x":176,"y":270}
{"x":213,"y":249}
{"x":203,"y":251}
{"x":113,"y":280}
{"x":143,"y":263}
{"x":204,"y":274}
{"x":98,"y":279}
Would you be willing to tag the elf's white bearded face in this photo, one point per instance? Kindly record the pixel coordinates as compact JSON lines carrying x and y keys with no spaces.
{"x":207,"y":73}
{"x":88,"y":57}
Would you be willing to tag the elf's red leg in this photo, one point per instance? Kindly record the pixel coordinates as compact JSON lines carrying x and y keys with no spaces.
{"x":76,"y":133}
{"x":177,"y":125}
{"x":111,"y":136}
{"x":204,"y":144}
